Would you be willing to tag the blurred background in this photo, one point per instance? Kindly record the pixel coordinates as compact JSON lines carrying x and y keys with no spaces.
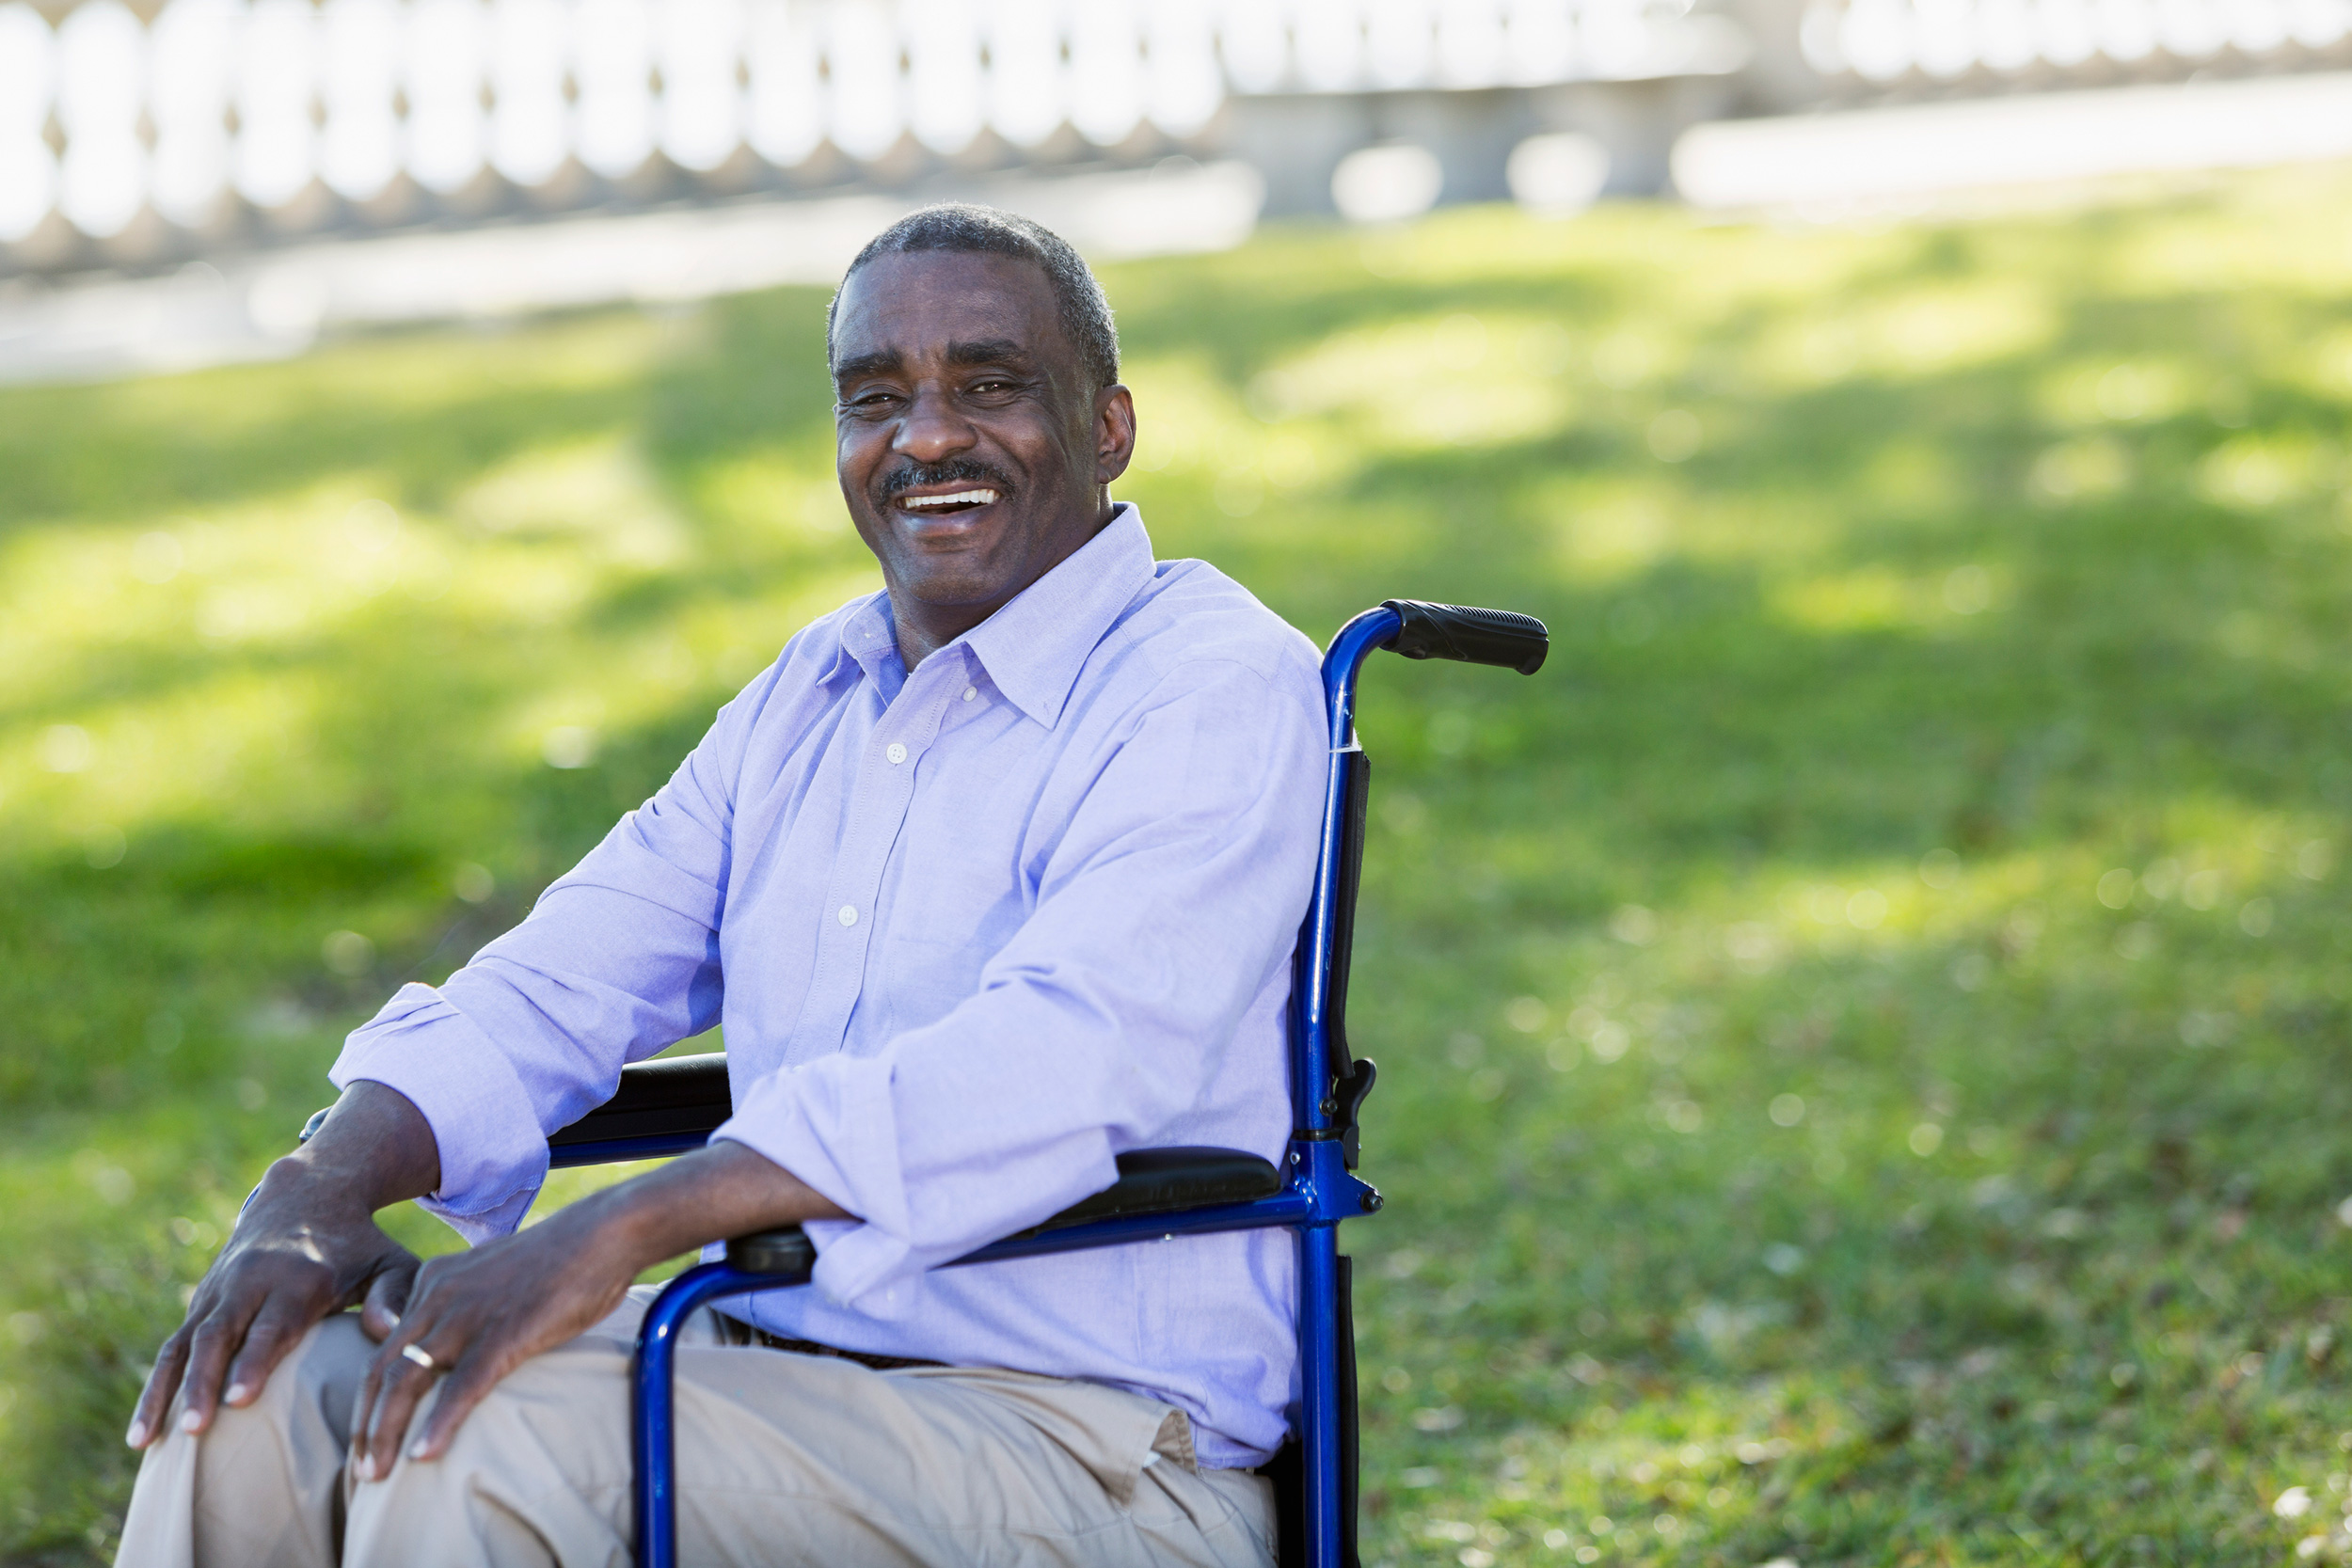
{"x":240,"y":154}
{"x":1863,"y":1033}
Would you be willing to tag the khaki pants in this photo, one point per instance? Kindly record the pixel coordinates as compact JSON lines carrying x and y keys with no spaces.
{"x":782,"y":1459}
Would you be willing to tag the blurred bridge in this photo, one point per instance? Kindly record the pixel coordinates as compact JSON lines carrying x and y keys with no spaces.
{"x":189,"y":181}
{"x":224,"y":121}
{"x":144,"y":133}
{"x":1891,"y":42}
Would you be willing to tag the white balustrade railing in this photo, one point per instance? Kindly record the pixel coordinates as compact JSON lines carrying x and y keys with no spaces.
{"x":263,"y":97}
{"x":1885,"y":40}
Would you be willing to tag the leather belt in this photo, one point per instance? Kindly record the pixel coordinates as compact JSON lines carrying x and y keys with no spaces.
{"x":809,"y":1347}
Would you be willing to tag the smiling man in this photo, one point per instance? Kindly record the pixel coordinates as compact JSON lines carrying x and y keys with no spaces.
{"x":991,"y":875}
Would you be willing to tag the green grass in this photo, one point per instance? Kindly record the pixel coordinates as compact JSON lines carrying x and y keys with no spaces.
{"x":1864,"y":1031}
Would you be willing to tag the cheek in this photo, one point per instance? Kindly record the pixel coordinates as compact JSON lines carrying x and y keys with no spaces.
{"x":853,"y":434}
{"x":859,"y":453}
{"x":1040,"y":448}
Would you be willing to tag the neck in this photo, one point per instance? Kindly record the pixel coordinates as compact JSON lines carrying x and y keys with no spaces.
{"x":923,"y":629}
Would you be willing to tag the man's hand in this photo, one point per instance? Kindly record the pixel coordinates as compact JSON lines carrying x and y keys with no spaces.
{"x":481,"y":1314}
{"x":476,"y":1316}
{"x":307,"y":1245}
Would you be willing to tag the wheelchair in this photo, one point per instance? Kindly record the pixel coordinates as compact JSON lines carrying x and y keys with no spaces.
{"x":673,"y":1105}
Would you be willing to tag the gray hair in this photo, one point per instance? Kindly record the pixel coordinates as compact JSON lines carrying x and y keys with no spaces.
{"x":956,"y":226}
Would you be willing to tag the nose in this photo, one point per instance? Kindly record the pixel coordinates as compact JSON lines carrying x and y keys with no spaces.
{"x":931,"y":429}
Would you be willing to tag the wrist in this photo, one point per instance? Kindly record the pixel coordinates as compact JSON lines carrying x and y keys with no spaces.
{"x":314,"y":1189}
{"x":374,"y":1150}
{"x":627,"y":1223}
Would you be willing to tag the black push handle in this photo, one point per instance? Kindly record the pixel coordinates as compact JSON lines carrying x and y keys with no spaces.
{"x":1474,"y":636}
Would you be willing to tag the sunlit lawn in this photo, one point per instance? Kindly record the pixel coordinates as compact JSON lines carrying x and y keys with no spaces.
{"x":1863,"y":1033}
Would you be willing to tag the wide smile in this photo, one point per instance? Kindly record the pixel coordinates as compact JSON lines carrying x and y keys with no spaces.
{"x":948,"y":503}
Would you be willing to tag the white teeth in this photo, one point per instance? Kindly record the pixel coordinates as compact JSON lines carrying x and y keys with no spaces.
{"x":960,"y":497}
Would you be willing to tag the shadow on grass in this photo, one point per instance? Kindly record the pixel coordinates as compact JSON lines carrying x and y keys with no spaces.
{"x":1755,"y":1167}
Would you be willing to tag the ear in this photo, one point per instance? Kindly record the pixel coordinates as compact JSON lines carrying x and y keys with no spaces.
{"x":1114,"y":433}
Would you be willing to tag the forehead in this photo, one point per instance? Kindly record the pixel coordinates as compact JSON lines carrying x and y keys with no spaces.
{"x":914,"y":305}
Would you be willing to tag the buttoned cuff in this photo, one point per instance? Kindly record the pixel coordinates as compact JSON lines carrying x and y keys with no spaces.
{"x":493,"y":1156}
{"x":833,"y":1125}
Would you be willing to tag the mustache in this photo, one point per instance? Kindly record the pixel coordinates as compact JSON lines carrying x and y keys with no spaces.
{"x":960,"y":470}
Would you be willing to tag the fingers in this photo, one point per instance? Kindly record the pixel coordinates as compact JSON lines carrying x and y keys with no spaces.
{"x":216,"y":1337}
{"x":387,"y":1299}
{"x":148,"y":1420}
{"x":395,"y":1386}
{"x":273,"y":1333}
{"x":459,"y":1325}
{"x":363,"y":1417}
{"x":281,"y":1272}
{"x":475,"y":1376}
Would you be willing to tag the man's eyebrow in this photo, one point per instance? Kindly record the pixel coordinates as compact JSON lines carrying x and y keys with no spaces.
{"x":881,"y":362}
{"x":983,"y":351}
{"x":989,"y":351}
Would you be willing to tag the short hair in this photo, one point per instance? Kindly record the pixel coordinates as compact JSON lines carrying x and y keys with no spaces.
{"x":957,"y":226}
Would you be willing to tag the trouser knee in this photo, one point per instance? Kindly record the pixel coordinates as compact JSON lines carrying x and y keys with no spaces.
{"x":262,"y":1486}
{"x":538,"y":1472}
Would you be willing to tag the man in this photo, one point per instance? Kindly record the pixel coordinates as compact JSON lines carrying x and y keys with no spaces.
{"x":991,"y":875}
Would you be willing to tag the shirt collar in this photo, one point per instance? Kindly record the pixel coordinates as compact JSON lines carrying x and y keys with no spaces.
{"x":1034,"y":647}
{"x":866,"y":641}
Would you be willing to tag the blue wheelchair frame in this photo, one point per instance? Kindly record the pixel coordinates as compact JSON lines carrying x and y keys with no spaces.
{"x":1311,"y":1196}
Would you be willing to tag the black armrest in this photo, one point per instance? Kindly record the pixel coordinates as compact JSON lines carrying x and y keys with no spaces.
{"x":1150,"y":1181}
{"x":672,"y":1096}
{"x":684,"y":1096}
{"x":678,"y":1097}
{"x":1161,"y":1180}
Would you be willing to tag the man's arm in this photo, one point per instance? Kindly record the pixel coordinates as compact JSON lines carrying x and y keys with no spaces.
{"x":309,"y":1245}
{"x":305,"y":1245}
{"x":424,"y":1084}
{"x":618,"y":960}
{"x":1173,"y":896}
{"x":478,"y":1315}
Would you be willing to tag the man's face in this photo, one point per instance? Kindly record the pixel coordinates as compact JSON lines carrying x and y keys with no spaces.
{"x":972,"y":453}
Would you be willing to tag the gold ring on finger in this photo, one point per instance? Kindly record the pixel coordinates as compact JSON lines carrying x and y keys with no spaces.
{"x":421,"y":1357}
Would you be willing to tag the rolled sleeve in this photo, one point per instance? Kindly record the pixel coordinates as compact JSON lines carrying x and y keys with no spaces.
{"x":493,"y":1155}
{"x":833,"y":1125}
{"x":618,"y":960}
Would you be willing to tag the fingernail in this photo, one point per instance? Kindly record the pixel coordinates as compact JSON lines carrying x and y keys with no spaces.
{"x":416,"y":1449}
{"x":137,"y":1436}
{"x":238,"y":1392}
{"x":190,"y":1422}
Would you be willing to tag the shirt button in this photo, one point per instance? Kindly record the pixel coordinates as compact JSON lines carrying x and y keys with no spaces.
{"x":895,"y":753}
{"x":848,"y":915}
{"x":970,"y":692}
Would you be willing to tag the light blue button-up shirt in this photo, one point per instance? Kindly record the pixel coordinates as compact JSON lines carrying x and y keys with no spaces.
{"x":971,"y":931}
